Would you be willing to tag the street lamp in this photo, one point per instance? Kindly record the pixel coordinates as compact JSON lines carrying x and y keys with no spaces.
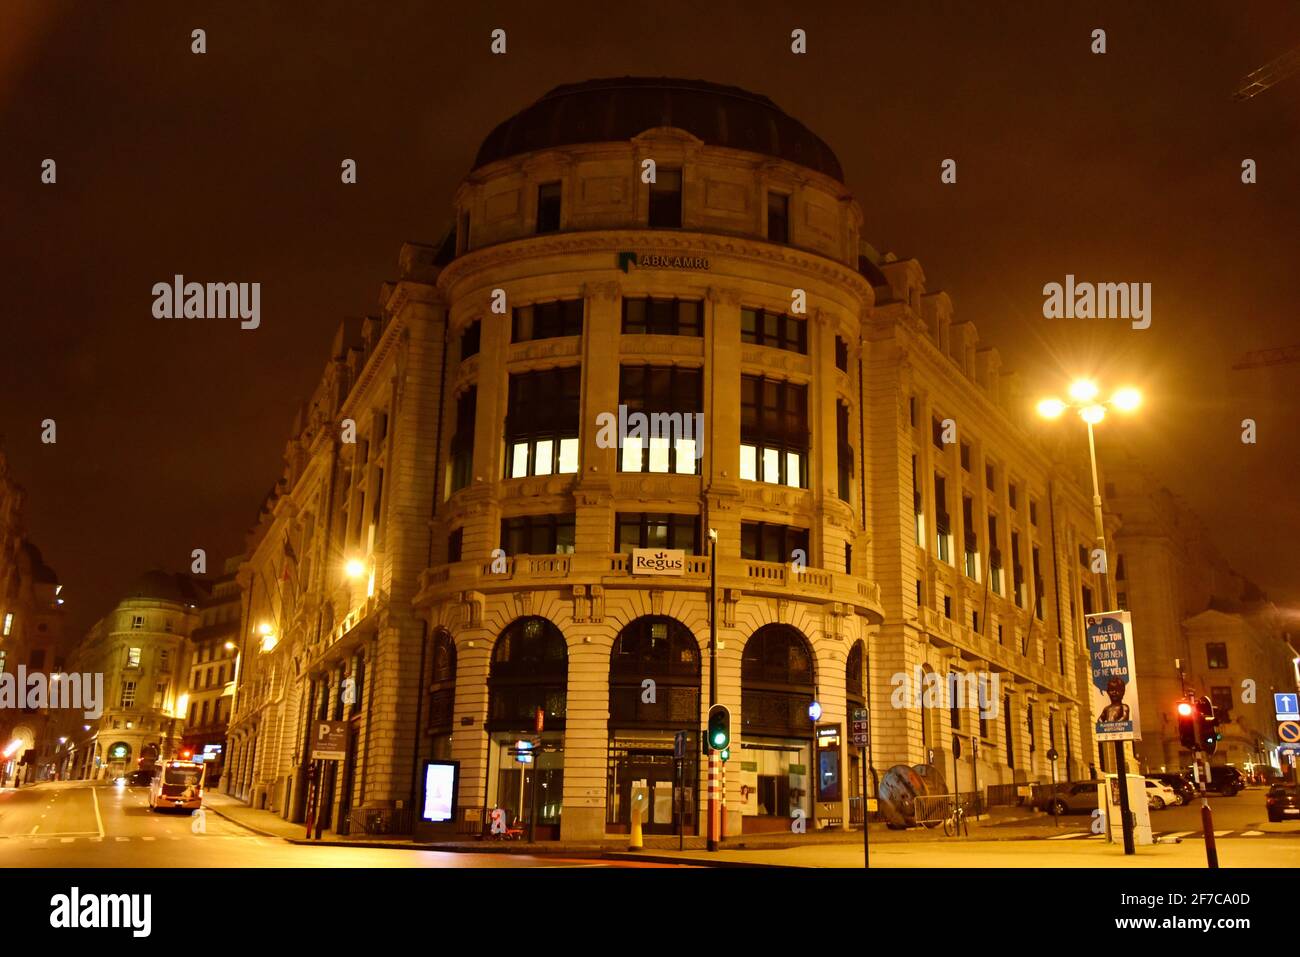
{"x":354,"y":568}
{"x":1084,"y":394}
{"x":713,"y":684}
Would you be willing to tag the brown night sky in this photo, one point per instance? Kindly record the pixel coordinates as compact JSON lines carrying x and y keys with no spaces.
{"x":225,"y":167}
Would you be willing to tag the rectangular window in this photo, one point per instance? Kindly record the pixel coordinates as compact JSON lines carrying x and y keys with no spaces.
{"x":971,"y":543}
{"x":455,"y":544}
{"x":548,"y":207}
{"x":159,"y":695}
{"x":462,"y":234}
{"x":663,"y":317}
{"x":164,"y":662}
{"x":133,"y":657}
{"x":1006,"y":724}
{"x":918,"y":507}
{"x":657,"y":530}
{"x":137,"y":622}
{"x":462,"y":440}
{"x":128,"y":694}
{"x":537,"y":535}
{"x":547,"y":320}
{"x":773,"y":329}
{"x":954,"y":707}
{"x":845,"y":451}
{"x":989,"y":482}
{"x":773,"y":431}
{"x":778,"y":217}
{"x":1087,"y":600}
{"x":662,"y":403}
{"x":542,"y":422}
{"x":762,"y":542}
{"x":666,"y":199}
{"x":1033,"y":512}
{"x":1029,"y":725}
{"x":911,"y":410}
{"x":965,"y":456}
{"x":1011,"y":494}
{"x":947,"y":606}
{"x":1039,"y":588}
{"x":1017,"y":571}
{"x":1119,"y":568}
{"x":1221,"y":698}
{"x":469,"y":339}
{"x":942,"y":520}
{"x":995,"y":556}
{"x":1216,"y":654}
{"x":841,"y":354}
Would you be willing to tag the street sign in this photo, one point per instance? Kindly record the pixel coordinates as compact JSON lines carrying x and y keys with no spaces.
{"x":860,"y":726}
{"x":1288,"y":749}
{"x":330,"y":742}
{"x":1287,"y":707}
{"x":1288,"y":732}
{"x":956,"y":746}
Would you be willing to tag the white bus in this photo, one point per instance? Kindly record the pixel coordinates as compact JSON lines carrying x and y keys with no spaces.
{"x":177,"y":784}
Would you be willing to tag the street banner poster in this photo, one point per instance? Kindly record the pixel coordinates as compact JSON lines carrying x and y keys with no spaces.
{"x":1114,"y":683}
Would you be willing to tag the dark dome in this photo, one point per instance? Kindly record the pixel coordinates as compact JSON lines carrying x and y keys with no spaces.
{"x":165,"y":586}
{"x":603,"y":111}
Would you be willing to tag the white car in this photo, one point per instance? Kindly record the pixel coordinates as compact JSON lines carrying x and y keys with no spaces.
{"x":1160,"y":795}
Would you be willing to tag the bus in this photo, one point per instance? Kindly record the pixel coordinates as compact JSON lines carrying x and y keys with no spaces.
{"x":177,"y":784}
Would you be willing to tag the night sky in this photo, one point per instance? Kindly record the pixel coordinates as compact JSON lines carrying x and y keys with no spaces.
{"x":225,"y":167}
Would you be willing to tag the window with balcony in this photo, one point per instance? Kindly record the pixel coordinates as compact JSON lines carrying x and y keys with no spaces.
{"x":666,"y":199}
{"x":663,"y":317}
{"x":773,"y":329}
{"x":548,"y":207}
{"x":469,"y":339}
{"x":773,"y":431}
{"x":657,"y":530}
{"x":462,"y":440}
{"x":542,"y":421}
{"x":778,"y":217}
{"x":537,"y":535}
{"x":764,"y":542}
{"x":547,"y":320}
{"x":667,"y":439}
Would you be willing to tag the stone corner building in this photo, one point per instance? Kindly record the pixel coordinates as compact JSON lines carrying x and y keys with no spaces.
{"x":448,"y":551}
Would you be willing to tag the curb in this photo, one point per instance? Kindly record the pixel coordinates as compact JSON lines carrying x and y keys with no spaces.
{"x":216,"y":809}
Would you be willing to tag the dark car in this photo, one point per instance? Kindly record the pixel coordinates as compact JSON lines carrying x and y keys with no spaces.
{"x":1283,"y":803}
{"x":1077,"y":798}
{"x":139,"y":779}
{"x":1223,"y":780}
{"x":1181,"y":784}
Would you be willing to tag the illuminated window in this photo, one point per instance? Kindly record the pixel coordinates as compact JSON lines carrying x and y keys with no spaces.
{"x":670,"y":398}
{"x":137,"y":622}
{"x":542,"y":423}
{"x":9,"y":623}
{"x":128,"y":694}
{"x":1216,"y":654}
{"x":133,"y":657}
{"x":656,"y":530}
{"x":773,"y":431}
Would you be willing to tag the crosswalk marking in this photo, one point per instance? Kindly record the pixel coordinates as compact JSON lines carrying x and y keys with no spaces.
{"x":1252,"y":833}
{"x":1221,"y":833}
{"x":1066,"y":837}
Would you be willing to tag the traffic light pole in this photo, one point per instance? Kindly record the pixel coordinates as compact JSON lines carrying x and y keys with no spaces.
{"x":713,"y":686}
{"x":1121,"y":762}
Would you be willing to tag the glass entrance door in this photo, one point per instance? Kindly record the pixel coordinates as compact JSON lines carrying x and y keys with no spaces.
{"x":654,"y":771}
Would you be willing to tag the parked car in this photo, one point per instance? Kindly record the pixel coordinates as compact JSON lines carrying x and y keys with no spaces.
{"x":1182,"y":786}
{"x":1283,"y":803}
{"x":1160,"y":795}
{"x":1077,"y":798}
{"x":1223,"y":780}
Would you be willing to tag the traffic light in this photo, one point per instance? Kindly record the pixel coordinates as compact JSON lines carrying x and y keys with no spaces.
{"x":719,"y":734}
{"x":1208,"y":729}
{"x":1187,"y":725}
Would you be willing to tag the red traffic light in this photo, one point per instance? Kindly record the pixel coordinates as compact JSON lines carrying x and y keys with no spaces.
{"x":1185,"y":709}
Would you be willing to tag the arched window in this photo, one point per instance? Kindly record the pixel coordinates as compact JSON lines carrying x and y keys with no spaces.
{"x":662,"y":650}
{"x":530,"y":670}
{"x":442,"y":684}
{"x":777,"y":682}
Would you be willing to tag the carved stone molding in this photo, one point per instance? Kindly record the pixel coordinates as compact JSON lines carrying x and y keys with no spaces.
{"x":725,"y":295}
{"x":601,"y":290}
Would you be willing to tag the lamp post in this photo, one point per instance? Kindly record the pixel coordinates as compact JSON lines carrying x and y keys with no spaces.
{"x":1083,"y":394}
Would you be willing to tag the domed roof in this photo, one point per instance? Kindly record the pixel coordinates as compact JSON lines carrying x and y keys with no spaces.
{"x":602,"y":111}
{"x":165,"y":586}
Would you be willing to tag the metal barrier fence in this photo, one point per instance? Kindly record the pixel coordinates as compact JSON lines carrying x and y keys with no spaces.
{"x":934,"y":808}
{"x":380,"y":820}
{"x":1003,"y":795}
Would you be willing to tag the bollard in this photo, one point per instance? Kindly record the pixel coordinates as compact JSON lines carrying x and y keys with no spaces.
{"x":639,"y":805}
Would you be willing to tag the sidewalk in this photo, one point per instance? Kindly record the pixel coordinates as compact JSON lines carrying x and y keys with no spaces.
{"x":1003,"y":825}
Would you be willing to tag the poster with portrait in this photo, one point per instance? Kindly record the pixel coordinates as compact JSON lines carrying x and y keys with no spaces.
{"x":1114,"y":680}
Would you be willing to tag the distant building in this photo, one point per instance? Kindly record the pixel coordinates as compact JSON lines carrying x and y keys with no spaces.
{"x":141,"y":647}
{"x":210,"y":671}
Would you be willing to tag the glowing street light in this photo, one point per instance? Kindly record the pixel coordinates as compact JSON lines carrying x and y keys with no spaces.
{"x":354,"y":568}
{"x":1083,"y":390}
{"x":1126,"y":399}
{"x":1092,"y":414}
{"x":1051,"y":408}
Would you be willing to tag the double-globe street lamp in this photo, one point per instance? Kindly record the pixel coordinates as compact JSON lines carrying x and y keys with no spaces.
{"x":1084,"y":400}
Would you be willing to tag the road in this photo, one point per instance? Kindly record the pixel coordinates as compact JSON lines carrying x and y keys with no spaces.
{"x":79,"y":824}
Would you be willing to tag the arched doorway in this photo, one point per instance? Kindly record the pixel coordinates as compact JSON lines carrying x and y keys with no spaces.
{"x":528,"y":681}
{"x":654,"y":692}
{"x":119,"y":760}
{"x":778,"y":682}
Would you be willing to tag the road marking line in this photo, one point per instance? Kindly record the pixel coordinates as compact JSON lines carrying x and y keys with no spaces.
{"x":121,"y":838}
{"x":148,"y":839}
{"x":1252,"y":833}
{"x":1066,"y":837}
{"x":98,"y":820}
{"x":1221,"y":833}
{"x":1175,"y":834}
{"x":66,"y":840}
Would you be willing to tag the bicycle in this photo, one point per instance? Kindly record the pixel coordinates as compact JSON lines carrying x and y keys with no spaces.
{"x":955,"y":822}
